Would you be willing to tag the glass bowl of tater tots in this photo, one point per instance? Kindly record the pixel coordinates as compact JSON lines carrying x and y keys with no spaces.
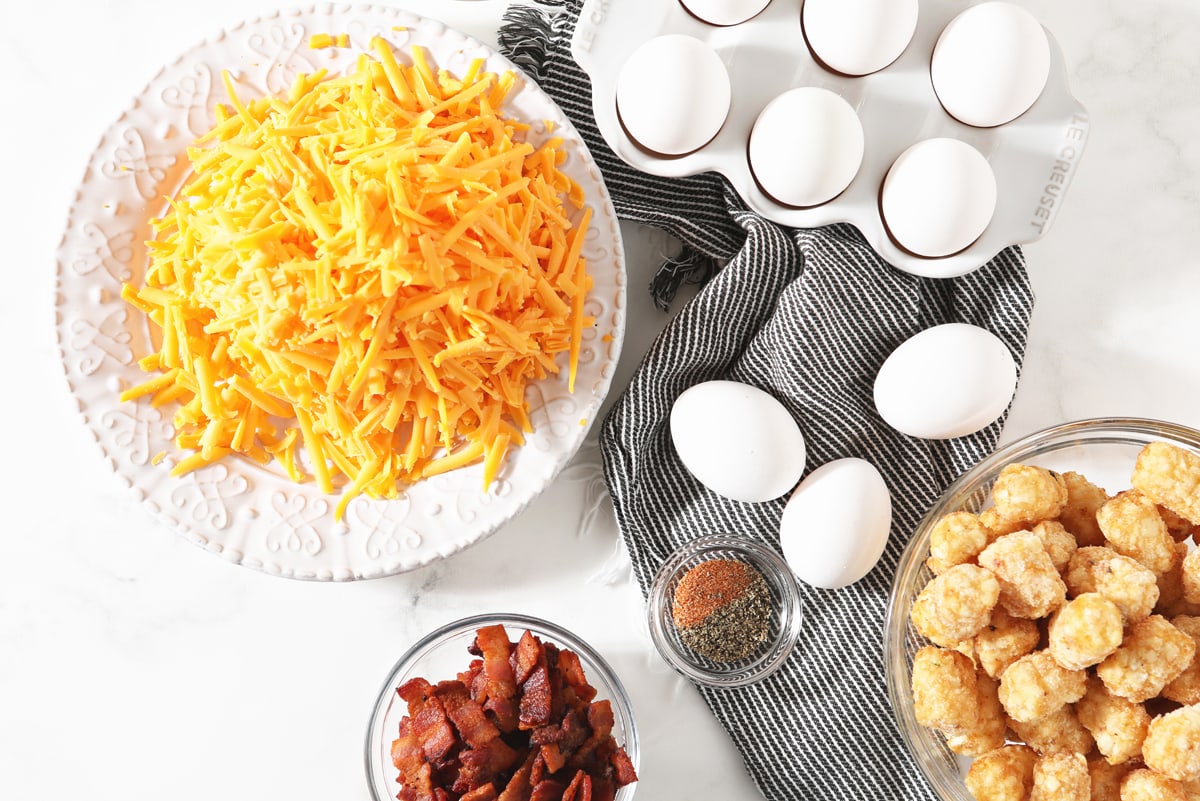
{"x":1042,"y":639}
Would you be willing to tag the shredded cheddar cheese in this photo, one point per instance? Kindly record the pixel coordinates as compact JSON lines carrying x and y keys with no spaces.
{"x":360,"y":279}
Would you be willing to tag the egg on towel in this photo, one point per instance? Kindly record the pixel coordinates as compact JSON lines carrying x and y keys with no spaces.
{"x":724,"y":12}
{"x":938,"y":197}
{"x":836,"y":524}
{"x":947,"y":381}
{"x":806,"y":146}
{"x":858,"y":37}
{"x":990,"y":64}
{"x":673,"y":95}
{"x":737,"y":440}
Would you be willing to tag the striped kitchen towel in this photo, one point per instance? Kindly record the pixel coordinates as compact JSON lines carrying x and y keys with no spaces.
{"x":808,"y":315}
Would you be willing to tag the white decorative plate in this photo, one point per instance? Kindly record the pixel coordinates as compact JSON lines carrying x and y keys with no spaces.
{"x":254,"y":515}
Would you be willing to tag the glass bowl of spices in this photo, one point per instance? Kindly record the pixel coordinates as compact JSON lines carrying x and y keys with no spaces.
{"x":724,"y":611}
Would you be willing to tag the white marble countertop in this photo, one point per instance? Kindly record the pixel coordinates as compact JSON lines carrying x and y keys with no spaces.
{"x":134,"y":666}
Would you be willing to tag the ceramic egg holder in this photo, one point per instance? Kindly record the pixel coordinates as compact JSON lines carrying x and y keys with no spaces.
{"x":1034,"y":157}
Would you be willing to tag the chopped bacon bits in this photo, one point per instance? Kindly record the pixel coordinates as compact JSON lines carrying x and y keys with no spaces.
{"x":519,"y":724}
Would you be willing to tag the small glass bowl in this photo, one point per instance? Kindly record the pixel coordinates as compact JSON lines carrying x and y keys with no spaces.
{"x":785,"y":622}
{"x":1103,"y":451}
{"x":442,"y":654}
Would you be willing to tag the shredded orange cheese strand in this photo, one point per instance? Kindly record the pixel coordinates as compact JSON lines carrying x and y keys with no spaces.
{"x":371,"y":269}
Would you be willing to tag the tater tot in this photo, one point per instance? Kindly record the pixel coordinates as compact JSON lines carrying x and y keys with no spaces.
{"x":1061,"y":777}
{"x":1133,"y":528}
{"x":1172,"y":744}
{"x":1059,"y":543}
{"x":1153,"y":653}
{"x":1117,"y":725}
{"x":1059,"y":731}
{"x":1147,"y":785}
{"x":1005,"y":774}
{"x":955,"y":539}
{"x":1106,"y":779}
{"x":1170,"y":588}
{"x":1191,"y":577}
{"x":1085,"y":630}
{"x":1185,"y":688}
{"x":1170,"y":475}
{"x":1004,"y":640}
{"x":955,"y":605}
{"x":944,"y":695}
{"x":1179,"y":527}
{"x":1127,"y":583}
{"x":1036,"y":685}
{"x":990,"y":725}
{"x":1030,"y":587}
{"x":1079,"y":514}
{"x":1028,"y":493}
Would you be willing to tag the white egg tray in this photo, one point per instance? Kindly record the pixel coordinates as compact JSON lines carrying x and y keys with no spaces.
{"x":1034,"y":157}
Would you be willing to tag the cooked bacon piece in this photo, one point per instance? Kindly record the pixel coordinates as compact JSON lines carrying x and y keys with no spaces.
{"x":528,"y":655}
{"x":433,"y":730}
{"x":535,"y":699}
{"x":409,"y":758}
{"x":485,"y":792}
{"x":414,"y":692}
{"x":580,"y":788}
{"x":547,"y":790}
{"x":475,"y":728}
{"x":488,"y":763}
{"x":473,"y":670}
{"x":623,"y":768}
{"x":496,"y":649}
{"x":518,"y":788}
{"x":603,"y":789}
{"x":572,"y":672}
{"x":553,"y":757}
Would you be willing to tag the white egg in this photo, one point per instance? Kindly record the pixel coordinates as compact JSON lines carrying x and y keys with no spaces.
{"x":990,"y":64}
{"x":946,"y":381}
{"x":673,"y":94}
{"x":737,"y":440}
{"x":806,"y":146}
{"x":836,"y":524}
{"x":858,"y":37}
{"x":724,"y":12}
{"x":938,"y":197}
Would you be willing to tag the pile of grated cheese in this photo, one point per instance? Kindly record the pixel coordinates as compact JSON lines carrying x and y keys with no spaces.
{"x":372,"y":268}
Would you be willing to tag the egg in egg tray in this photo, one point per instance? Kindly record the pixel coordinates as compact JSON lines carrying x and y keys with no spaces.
{"x":943,"y":131}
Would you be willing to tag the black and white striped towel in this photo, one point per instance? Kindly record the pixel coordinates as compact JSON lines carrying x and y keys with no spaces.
{"x":809,"y":316}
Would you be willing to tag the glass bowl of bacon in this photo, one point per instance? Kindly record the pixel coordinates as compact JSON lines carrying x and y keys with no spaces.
{"x":1043,"y":633}
{"x":502,"y":706}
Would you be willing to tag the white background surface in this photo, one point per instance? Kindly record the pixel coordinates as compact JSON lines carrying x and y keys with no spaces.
{"x":133,"y":666}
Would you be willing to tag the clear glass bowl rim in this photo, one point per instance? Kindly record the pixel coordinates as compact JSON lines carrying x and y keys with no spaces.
{"x":658,"y":608}
{"x":592,"y":662}
{"x":1096,"y":430}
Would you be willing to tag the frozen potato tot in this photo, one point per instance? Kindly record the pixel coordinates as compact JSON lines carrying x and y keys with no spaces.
{"x":990,"y":725}
{"x":1127,"y":583}
{"x":1058,"y":732}
{"x":1059,"y":543}
{"x":1030,"y":587}
{"x":1153,"y":653}
{"x":1106,"y":779}
{"x":1170,"y":476}
{"x":944,"y":695}
{"x":1036,"y":685}
{"x":1061,"y":777}
{"x":955,"y":605}
{"x":1117,"y":725}
{"x":1179,"y":527}
{"x":1079,"y":515}
{"x":1147,"y":785}
{"x":1185,"y":688}
{"x":1004,"y":640}
{"x":955,"y":539}
{"x":1005,"y":774}
{"x":1133,"y":528}
{"x":1172,"y":744}
{"x":1028,"y":494}
{"x":1085,"y":630}
{"x":1190,"y":577}
{"x":1171,"y":599}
